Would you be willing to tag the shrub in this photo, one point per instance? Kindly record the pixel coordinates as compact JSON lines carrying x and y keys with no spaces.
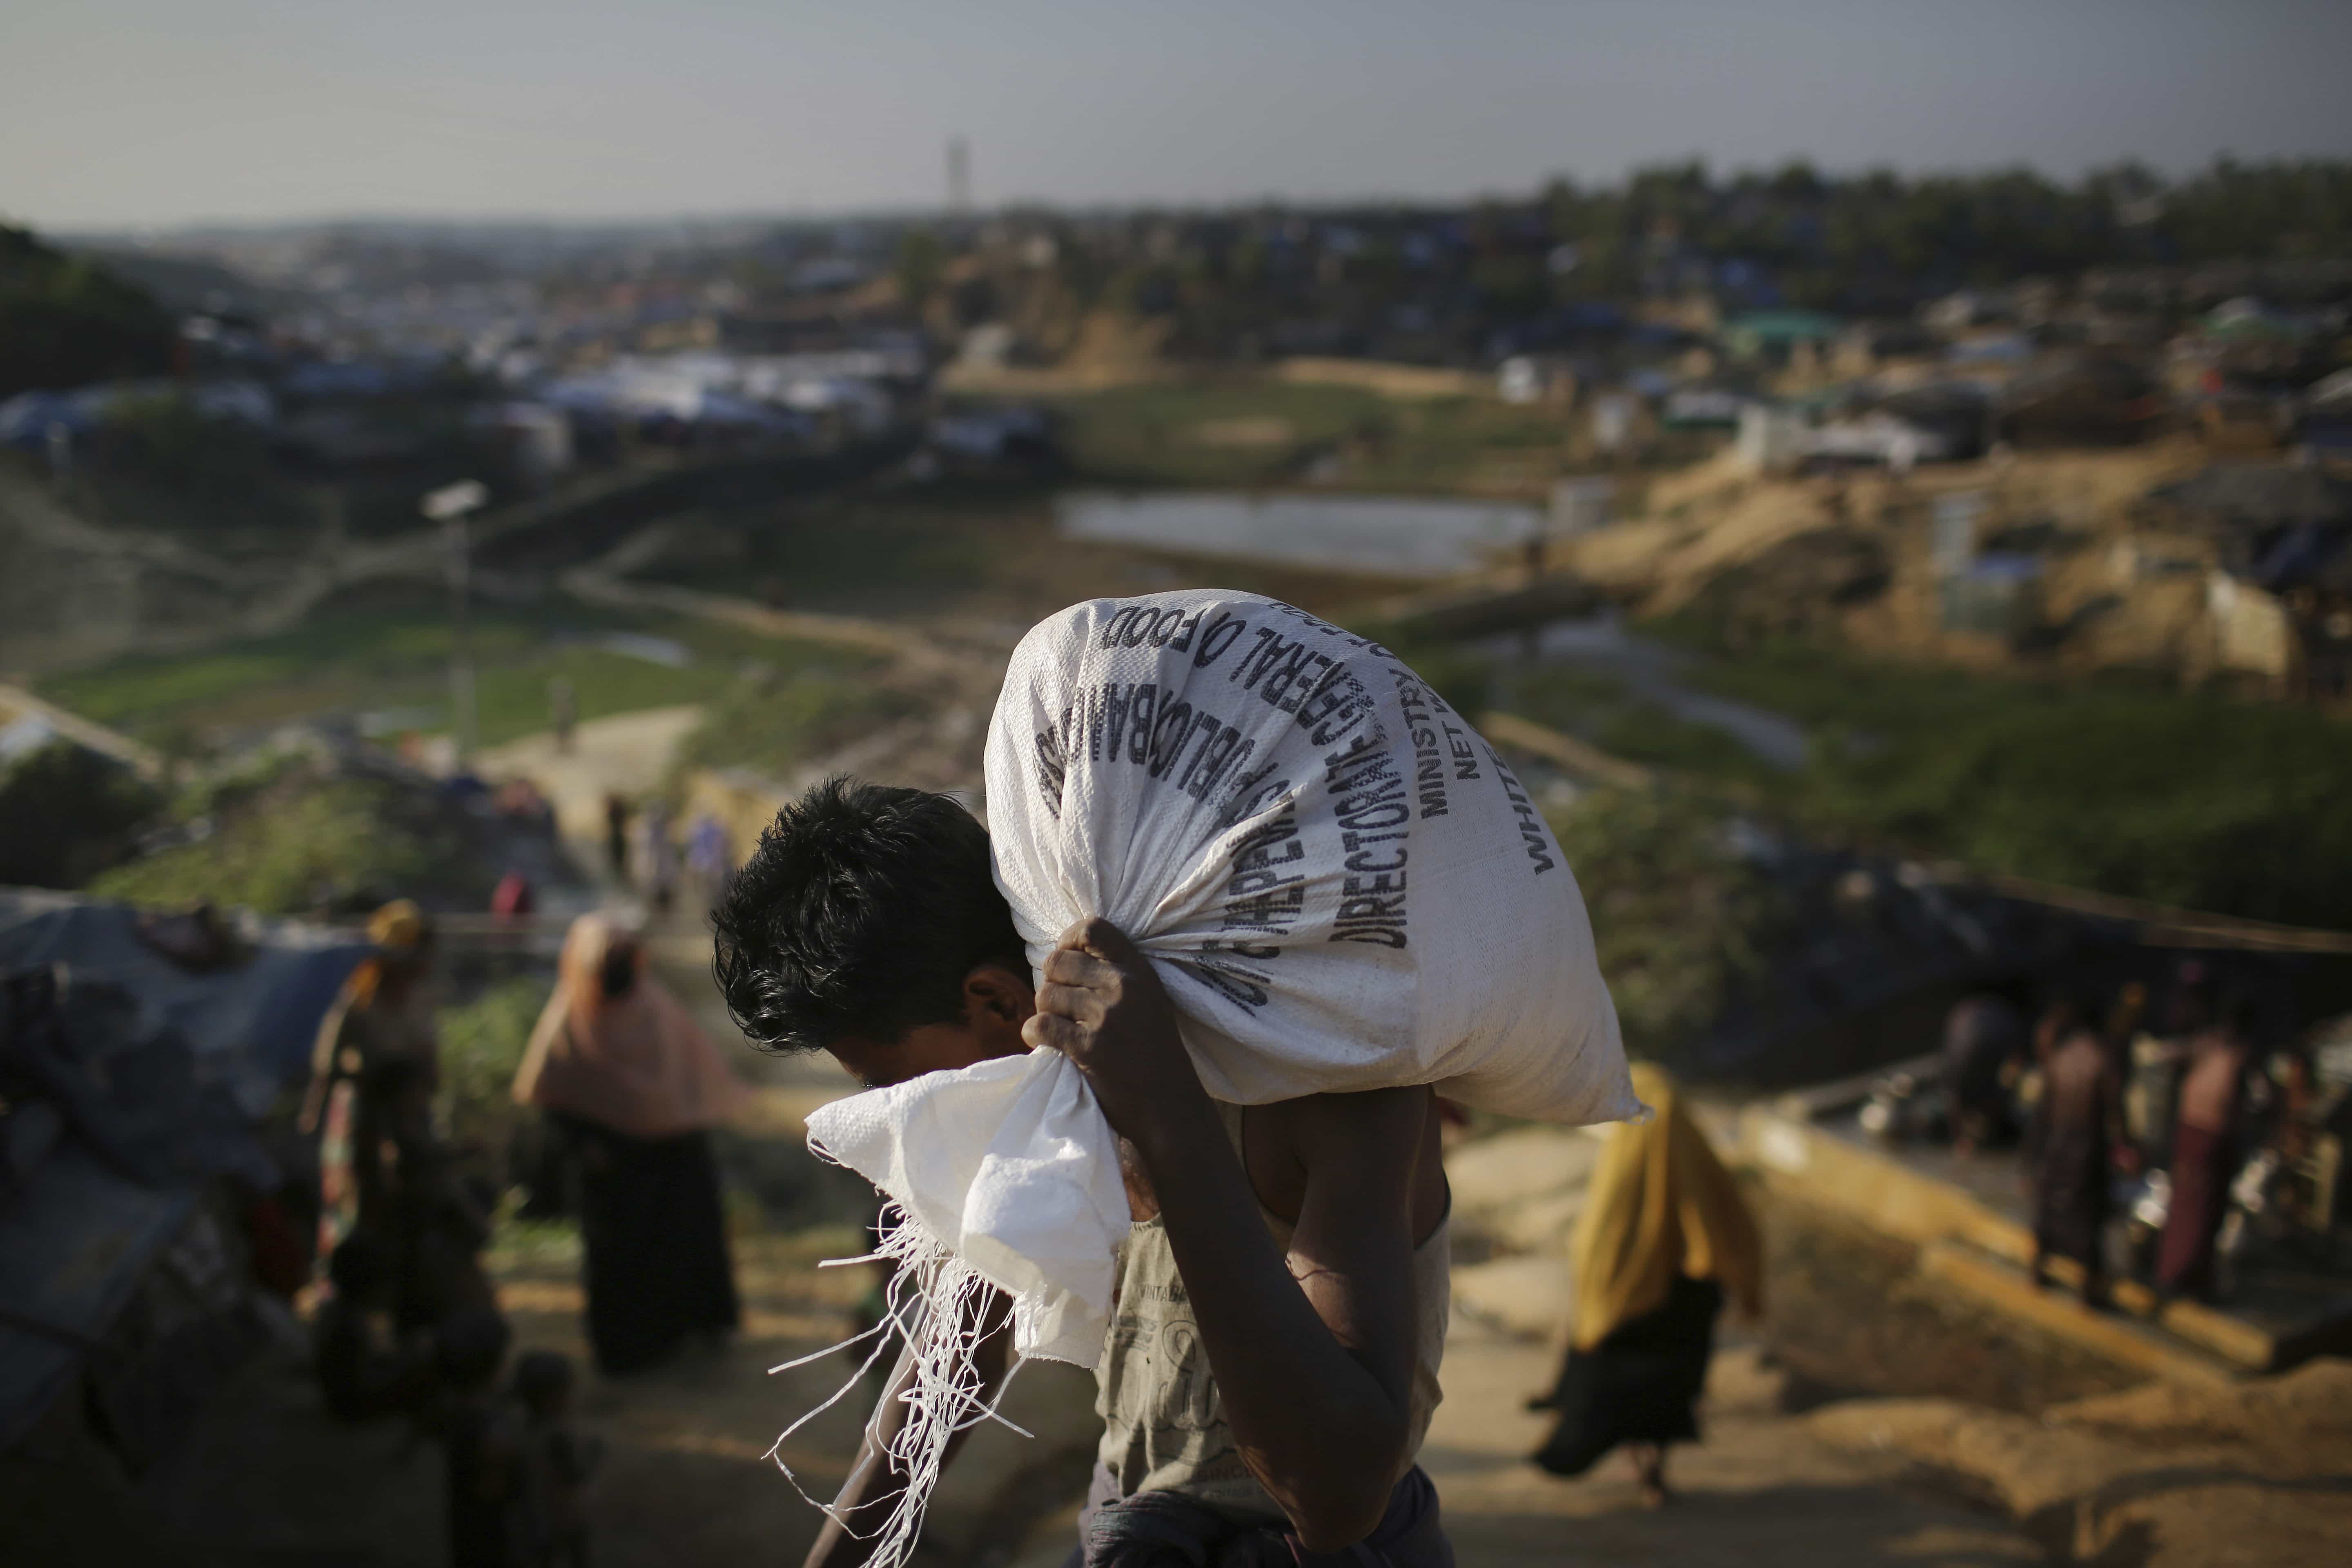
{"x":67,"y":813}
{"x":482,"y":1046}
{"x":777,"y":729}
{"x":300,"y":842}
{"x":1682,"y":919}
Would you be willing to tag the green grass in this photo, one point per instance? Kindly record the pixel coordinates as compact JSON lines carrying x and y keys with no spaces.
{"x":298,"y":842}
{"x":1679,"y":918}
{"x":2184,"y":798}
{"x":774,"y":726}
{"x":2198,"y":800}
{"x":390,"y":651}
{"x":1602,"y":709}
{"x":532,"y":1249}
{"x":482,"y":1044}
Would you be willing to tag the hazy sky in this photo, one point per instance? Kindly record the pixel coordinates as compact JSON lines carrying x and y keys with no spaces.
{"x":162,"y":112}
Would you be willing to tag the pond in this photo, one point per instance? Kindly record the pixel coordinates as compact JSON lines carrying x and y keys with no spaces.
{"x":1389,"y":536}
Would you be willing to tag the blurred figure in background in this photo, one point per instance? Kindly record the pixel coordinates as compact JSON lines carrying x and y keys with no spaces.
{"x":656,"y":857}
{"x":2077,"y":1124}
{"x":435,"y":1219}
{"x":1666,"y":1235}
{"x":513,"y":898}
{"x":2126,"y":1015}
{"x":617,"y":836}
{"x":2152,"y":1085}
{"x":709,"y":858}
{"x":482,"y":1439}
{"x":1983,"y":1040}
{"x":557,"y":1461}
{"x":631,"y":1085}
{"x":385,"y":1012}
{"x":562,"y":712}
{"x":363,"y":1370}
{"x":2206,"y":1148}
{"x":519,"y":801}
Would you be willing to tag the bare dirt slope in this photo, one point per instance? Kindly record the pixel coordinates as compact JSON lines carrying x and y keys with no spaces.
{"x":2256,"y":1474}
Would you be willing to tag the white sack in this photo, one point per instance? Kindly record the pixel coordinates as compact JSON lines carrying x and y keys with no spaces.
{"x":1342,"y":885}
{"x":1009,"y":1166}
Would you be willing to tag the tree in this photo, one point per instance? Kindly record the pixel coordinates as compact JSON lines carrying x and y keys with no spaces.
{"x":66,"y":322}
{"x":921,"y":261}
{"x":67,"y":813}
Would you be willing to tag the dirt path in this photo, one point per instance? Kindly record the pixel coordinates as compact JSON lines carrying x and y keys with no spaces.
{"x":1761,"y":1492}
{"x":624,"y":752}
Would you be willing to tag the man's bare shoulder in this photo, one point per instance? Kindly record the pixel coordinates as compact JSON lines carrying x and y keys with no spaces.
{"x":1366,"y":1141}
{"x":1364,"y":1118}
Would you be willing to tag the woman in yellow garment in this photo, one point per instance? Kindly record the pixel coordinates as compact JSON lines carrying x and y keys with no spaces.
{"x":1665,"y":1238}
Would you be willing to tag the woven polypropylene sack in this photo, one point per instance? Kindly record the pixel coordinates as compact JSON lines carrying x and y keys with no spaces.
{"x":1343,"y":885}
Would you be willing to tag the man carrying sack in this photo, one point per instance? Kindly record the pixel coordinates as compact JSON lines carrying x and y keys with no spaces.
{"x":1256,"y":896}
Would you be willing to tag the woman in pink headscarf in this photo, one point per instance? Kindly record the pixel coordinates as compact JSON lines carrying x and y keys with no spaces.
{"x":631,"y":1087}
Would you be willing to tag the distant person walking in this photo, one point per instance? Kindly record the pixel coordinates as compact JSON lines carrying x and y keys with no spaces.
{"x":2152,"y":1082}
{"x":1984,"y":1039}
{"x":562,"y":712}
{"x":656,"y":857}
{"x":631,"y":1087}
{"x":1666,"y":1235}
{"x":2077,"y":1126}
{"x":2205,"y":1151}
{"x":617,"y":836}
{"x":709,"y":858}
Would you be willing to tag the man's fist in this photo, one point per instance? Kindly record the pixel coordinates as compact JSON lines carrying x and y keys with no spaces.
{"x":1102,"y":1005}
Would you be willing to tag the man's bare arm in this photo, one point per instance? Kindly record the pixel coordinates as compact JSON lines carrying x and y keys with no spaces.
{"x":1312,"y":1355}
{"x":874,"y":1483}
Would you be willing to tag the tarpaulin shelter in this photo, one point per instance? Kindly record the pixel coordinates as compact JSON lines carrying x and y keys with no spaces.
{"x":133,"y":1082}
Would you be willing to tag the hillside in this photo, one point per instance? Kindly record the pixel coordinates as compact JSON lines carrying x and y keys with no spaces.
{"x":65,"y":321}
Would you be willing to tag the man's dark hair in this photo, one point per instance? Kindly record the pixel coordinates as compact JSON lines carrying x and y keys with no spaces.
{"x":860,"y":915}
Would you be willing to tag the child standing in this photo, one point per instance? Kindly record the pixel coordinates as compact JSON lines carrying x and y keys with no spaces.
{"x":557,"y":1460}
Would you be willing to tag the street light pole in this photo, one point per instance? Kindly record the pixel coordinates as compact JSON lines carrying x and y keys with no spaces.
{"x":450,"y":506}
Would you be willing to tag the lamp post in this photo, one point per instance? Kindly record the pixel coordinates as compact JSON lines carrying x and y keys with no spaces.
{"x":450,"y":506}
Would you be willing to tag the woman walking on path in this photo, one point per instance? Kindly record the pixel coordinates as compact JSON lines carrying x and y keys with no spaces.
{"x":1666,"y":1235}
{"x":384,"y":1013}
{"x":632,"y":1086}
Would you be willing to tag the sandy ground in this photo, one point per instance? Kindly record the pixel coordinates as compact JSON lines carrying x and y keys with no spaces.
{"x":626,"y":752}
{"x":687,"y":1479}
{"x":1762,"y":1492}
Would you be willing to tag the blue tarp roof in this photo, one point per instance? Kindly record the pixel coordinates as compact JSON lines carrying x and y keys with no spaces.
{"x":194,"y":1059}
{"x":250,"y":1026}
